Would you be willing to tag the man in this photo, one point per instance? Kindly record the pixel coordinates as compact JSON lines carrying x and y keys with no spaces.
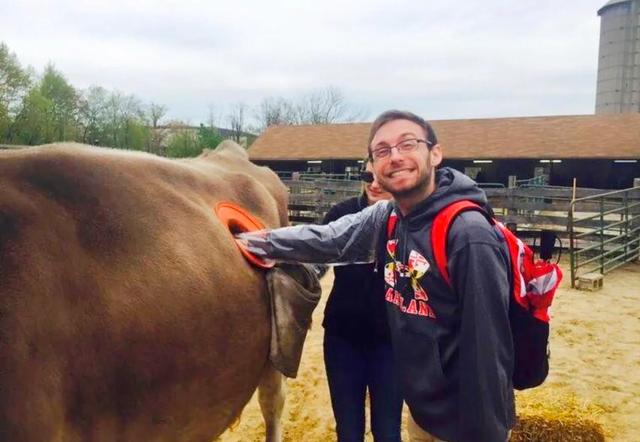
{"x":452,"y":343}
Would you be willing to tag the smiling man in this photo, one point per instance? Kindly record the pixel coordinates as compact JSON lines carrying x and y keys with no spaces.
{"x":451,"y":342}
{"x":400,"y":167}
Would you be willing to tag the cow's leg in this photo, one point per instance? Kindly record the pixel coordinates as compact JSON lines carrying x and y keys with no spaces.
{"x":271,"y":395}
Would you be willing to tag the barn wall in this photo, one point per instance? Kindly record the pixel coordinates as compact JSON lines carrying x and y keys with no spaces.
{"x":600,"y":174}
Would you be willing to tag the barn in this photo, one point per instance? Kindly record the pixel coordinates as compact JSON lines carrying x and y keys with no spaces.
{"x":600,"y":151}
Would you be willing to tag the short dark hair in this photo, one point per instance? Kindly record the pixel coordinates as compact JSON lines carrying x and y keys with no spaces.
{"x":392,"y":115}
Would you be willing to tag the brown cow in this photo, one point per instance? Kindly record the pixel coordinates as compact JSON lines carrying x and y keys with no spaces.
{"x":126,"y":311}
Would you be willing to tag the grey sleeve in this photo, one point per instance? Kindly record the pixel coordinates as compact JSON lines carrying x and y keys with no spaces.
{"x":347,"y":240}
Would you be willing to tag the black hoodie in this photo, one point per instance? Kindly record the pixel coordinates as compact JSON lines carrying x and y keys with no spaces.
{"x":452,"y":345}
{"x":355,"y":309}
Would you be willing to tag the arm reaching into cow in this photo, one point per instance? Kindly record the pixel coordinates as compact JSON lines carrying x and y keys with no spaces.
{"x":347,"y":240}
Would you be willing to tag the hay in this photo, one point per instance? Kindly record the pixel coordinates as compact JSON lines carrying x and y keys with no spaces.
{"x":546,"y":415}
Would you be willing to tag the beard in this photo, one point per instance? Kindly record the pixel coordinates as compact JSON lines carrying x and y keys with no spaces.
{"x":419,"y":188}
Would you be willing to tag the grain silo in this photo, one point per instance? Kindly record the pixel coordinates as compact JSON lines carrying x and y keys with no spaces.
{"x":619,"y":57}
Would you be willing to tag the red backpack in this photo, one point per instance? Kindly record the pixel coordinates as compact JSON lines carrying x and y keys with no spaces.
{"x":534,"y":285}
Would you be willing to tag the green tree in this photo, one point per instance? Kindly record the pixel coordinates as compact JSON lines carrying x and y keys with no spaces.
{"x":184,"y":144}
{"x":5,"y":123}
{"x":209,"y":137}
{"x":34,"y":123}
{"x":14,"y":80}
{"x":14,"y":85}
{"x":92,"y":107}
{"x":136,"y":135}
{"x":124,"y":123}
{"x":52,"y":110}
{"x":64,"y":100}
{"x":157,"y":134}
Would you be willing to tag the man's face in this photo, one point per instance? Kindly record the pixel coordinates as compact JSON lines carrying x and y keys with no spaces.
{"x":404,"y":174}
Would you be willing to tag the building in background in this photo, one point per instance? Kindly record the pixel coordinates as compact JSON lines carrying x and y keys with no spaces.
{"x":600,"y":151}
{"x":618,"y":87}
{"x":166,"y":132}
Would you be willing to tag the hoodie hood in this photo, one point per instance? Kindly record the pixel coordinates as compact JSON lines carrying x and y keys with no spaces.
{"x":451,"y":186}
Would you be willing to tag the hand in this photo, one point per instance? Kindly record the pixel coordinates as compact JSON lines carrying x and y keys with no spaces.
{"x":253,"y":242}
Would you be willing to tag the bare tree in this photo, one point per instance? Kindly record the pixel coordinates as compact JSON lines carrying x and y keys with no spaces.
{"x":326,"y":106}
{"x":92,"y":114}
{"x":213,"y":117}
{"x":156,"y":113}
{"x":158,"y":135}
{"x":276,"y":111}
{"x":322,"y":106}
{"x":124,"y":119}
{"x":236,"y":119}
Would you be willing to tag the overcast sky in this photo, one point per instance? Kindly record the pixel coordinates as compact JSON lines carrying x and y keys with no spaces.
{"x":441,"y":59}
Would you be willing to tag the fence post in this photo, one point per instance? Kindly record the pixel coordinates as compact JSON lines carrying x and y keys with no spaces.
{"x":571,"y":246}
{"x":626,"y":227}
{"x":634,"y":223}
{"x":601,"y":235}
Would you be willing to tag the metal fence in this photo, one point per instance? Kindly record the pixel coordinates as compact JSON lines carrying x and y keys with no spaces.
{"x":535,"y":207}
{"x":310,"y":200}
{"x":604,"y":231}
{"x":313,"y":176}
{"x":602,"y":228}
{"x":311,"y":196}
{"x":540,"y":180}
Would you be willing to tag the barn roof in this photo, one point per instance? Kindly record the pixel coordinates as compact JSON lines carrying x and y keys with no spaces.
{"x":615,"y":136}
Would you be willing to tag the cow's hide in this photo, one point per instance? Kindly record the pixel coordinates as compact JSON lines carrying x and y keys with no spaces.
{"x":126,"y":311}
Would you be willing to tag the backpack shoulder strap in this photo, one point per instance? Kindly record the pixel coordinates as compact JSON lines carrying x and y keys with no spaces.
{"x":392,"y":220}
{"x":440,"y":232}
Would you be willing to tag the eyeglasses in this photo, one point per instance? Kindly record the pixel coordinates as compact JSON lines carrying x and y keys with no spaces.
{"x":366,"y":176}
{"x":403,"y":147}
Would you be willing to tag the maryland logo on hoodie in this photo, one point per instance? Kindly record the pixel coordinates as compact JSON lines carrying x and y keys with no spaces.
{"x":399,"y":277}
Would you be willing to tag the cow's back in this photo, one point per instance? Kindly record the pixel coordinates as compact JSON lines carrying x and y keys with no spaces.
{"x":126,"y":311}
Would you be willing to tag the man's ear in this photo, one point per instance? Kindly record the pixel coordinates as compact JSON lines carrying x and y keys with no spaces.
{"x":436,"y":155}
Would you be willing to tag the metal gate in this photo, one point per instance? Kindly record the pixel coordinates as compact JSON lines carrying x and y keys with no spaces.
{"x":604,"y":231}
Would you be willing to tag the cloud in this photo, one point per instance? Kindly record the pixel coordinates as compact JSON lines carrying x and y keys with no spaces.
{"x":442,"y":59}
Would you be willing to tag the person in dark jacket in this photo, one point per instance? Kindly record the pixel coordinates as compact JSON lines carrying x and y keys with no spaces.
{"x":452,"y":343}
{"x":357,"y":344}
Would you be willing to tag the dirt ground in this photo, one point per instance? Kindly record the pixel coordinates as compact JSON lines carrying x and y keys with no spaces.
{"x":595,"y":366}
